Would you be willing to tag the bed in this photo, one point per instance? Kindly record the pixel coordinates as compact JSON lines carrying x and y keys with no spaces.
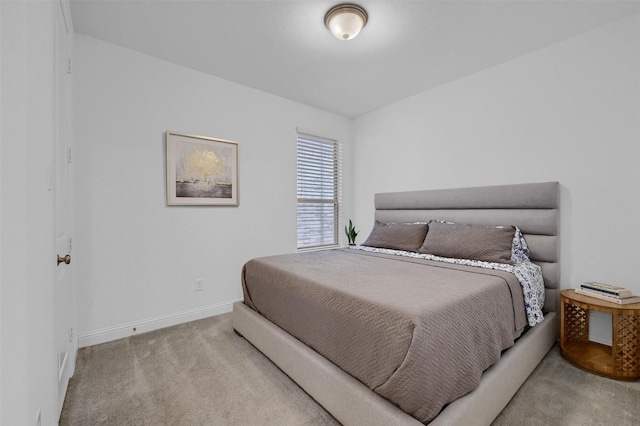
{"x":346,"y":391}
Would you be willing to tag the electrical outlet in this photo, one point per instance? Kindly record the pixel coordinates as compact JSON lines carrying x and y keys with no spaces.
{"x":199,"y":285}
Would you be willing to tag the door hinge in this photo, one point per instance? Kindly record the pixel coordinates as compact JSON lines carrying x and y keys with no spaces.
{"x":49,"y":179}
{"x":69,"y":155}
{"x":69,"y":66}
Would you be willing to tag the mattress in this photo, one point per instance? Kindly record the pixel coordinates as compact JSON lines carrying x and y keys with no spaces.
{"x":417,"y":332}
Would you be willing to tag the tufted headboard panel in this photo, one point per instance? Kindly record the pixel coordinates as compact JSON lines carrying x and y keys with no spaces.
{"x":532,"y":207}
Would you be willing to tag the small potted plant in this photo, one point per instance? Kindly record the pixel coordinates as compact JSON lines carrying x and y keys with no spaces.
{"x":351,"y":233}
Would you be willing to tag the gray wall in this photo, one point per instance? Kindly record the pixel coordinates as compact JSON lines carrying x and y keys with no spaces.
{"x":567,"y":113}
{"x":138,"y":259}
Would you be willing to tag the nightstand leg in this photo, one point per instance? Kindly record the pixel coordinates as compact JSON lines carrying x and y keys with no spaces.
{"x":625,"y":344}
{"x":576,"y":323}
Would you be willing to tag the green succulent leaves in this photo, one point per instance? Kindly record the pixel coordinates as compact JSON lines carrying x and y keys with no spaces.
{"x":351,"y":233}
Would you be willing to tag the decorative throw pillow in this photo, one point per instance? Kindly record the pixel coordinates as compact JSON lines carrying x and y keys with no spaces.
{"x":519,"y":249}
{"x":485,"y":243}
{"x":397,"y":236}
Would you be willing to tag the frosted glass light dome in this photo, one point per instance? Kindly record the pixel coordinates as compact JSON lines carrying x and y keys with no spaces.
{"x":345,"y":21}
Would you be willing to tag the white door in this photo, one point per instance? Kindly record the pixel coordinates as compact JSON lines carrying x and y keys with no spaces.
{"x":64,"y":293}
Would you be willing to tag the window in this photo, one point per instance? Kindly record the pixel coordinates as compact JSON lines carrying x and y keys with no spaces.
{"x":319,"y":191}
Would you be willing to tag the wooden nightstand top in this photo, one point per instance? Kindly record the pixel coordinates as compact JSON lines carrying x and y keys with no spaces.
{"x":594,"y":301}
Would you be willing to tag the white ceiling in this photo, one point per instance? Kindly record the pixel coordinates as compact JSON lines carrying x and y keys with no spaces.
{"x":282,"y":47}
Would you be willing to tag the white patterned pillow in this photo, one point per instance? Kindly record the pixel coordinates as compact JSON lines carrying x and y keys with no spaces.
{"x":519,"y":249}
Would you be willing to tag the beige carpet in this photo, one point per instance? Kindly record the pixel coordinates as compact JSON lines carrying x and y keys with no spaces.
{"x":202,"y":373}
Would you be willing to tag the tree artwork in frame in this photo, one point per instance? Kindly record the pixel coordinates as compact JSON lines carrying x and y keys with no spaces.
{"x":201,"y":171}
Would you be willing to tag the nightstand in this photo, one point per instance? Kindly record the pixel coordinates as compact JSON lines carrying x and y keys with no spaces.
{"x":621,"y":360}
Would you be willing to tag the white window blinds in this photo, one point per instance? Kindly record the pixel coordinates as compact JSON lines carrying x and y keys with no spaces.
{"x":319,"y":191}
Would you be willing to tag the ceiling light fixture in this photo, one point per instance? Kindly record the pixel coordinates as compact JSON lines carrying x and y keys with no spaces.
{"x":345,"y":20}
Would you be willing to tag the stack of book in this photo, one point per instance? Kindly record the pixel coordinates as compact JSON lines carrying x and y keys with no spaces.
{"x":610,"y":293}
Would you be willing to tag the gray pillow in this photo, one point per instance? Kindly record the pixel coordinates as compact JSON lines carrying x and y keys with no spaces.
{"x":486,"y":243}
{"x":397,"y":236}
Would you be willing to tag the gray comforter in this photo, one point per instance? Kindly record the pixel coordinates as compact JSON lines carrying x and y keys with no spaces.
{"x":417,"y":332}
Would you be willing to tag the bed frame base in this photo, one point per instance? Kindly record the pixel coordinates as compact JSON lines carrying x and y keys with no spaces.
{"x":352,"y":403}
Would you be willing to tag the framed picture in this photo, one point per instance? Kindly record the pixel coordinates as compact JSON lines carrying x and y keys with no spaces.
{"x":201,"y":171}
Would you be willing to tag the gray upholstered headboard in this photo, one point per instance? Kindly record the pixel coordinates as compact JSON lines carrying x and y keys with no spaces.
{"x":532,"y":207}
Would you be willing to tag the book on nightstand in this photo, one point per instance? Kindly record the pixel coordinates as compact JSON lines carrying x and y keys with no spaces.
{"x":607,"y":297}
{"x":607,"y":289}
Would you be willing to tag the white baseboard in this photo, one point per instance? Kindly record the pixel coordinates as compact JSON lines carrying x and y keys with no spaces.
{"x":602,"y":341}
{"x":108,"y":334}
